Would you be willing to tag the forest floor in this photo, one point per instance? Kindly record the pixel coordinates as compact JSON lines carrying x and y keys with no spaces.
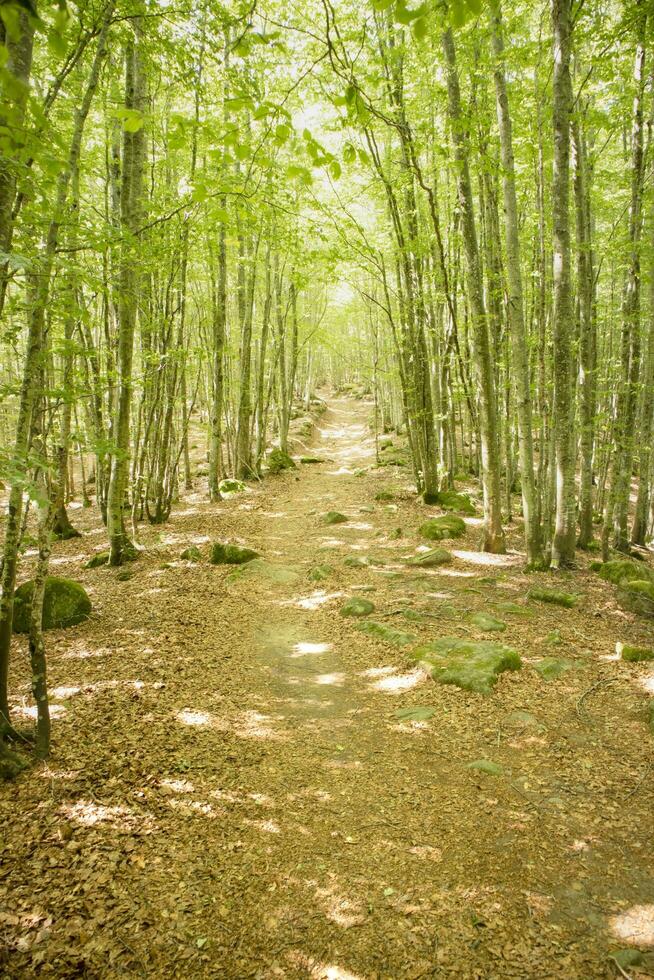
{"x":232,"y":794}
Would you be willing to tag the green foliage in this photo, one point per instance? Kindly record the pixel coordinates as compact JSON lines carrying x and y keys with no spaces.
{"x":65,"y":603}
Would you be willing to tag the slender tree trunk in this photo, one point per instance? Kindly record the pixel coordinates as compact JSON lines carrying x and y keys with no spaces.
{"x":517,"y":325}
{"x":563,"y":544}
{"x":490,"y":454}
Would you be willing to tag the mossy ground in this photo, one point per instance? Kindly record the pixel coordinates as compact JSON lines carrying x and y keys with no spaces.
{"x":243,"y":783}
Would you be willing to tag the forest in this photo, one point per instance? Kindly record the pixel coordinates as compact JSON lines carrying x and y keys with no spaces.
{"x":327,"y":489}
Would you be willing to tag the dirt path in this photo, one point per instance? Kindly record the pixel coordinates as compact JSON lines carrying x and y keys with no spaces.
{"x":231,"y":793}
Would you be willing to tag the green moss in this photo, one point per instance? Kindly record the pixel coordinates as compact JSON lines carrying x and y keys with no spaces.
{"x":487,"y":623}
{"x":230,"y":487}
{"x":278,"y":461}
{"x":550,"y":668}
{"x":634,"y":655}
{"x":266,"y":572}
{"x":432,"y":558}
{"x":385,"y":495}
{"x":98,"y":559}
{"x":357,"y":607}
{"x":395,"y":534}
{"x":124,"y":575}
{"x":354,"y":561}
{"x":637,"y":596}
{"x":310,"y":460}
{"x":334,"y":517}
{"x":319,"y":573}
{"x":439,"y":528}
{"x":231,"y":554}
{"x":514,"y":609}
{"x":622,"y":570}
{"x":65,"y":603}
{"x":485,"y":765}
{"x":459,"y":502}
{"x":387,"y":633}
{"x":564,"y":599}
{"x":468,"y":665}
{"x":191,"y":554}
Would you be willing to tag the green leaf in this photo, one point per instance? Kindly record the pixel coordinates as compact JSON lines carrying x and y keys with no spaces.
{"x":242,"y":152}
{"x":349,"y":153}
{"x":420,"y":28}
{"x":282,"y":132}
{"x":335,"y":169}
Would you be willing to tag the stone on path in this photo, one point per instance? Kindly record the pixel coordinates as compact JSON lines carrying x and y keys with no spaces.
{"x":468,"y":665}
{"x":334,"y":517}
{"x":65,"y":603}
{"x":357,"y":606}
{"x":487,"y":623}
{"x":432,"y":558}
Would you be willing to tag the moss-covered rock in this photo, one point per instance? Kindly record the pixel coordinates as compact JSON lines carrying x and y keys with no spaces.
{"x":471,"y":666}
{"x":622,"y":570}
{"x":124,"y":575}
{"x":65,"y":603}
{"x":550,"y":668}
{"x":231,"y":554}
{"x":388,"y":634}
{"x":514,"y":609}
{"x":637,"y":596}
{"x":98,"y":559}
{"x":279,"y":461}
{"x":564,"y":599}
{"x":394,"y":458}
{"x":487,"y":766}
{"x":192,"y":553}
{"x":382,"y":495}
{"x":356,"y":606}
{"x":432,"y":558}
{"x":334,"y":517}
{"x":229,"y":487}
{"x":356,"y":561}
{"x":311,"y":460}
{"x":439,"y":528}
{"x":487,"y":623}
{"x":319,"y":573}
{"x":633,"y":654}
{"x":459,"y":502}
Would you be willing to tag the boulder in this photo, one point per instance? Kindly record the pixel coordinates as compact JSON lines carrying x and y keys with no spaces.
{"x":278,"y":461}
{"x":432,"y":558}
{"x":356,"y":606}
{"x":470,"y":666}
{"x":334,"y":517}
{"x":564,"y":599}
{"x":65,"y":603}
{"x":439,"y":528}
{"x":231,"y":554}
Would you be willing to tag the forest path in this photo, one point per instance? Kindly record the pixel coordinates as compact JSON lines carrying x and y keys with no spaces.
{"x":232,"y":794}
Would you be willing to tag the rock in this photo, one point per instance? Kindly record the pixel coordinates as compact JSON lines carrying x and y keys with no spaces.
{"x":637,"y":596}
{"x":459,"y":502}
{"x":124,"y":575}
{"x":98,"y":559}
{"x":367,"y":509}
{"x":485,"y":765}
{"x":550,"y":668}
{"x":356,"y":606}
{"x":417,"y":713}
{"x":310,"y":460}
{"x":65,"y":603}
{"x":191,"y":554}
{"x":470,"y":666}
{"x":514,"y":609}
{"x":387,"y":633}
{"x":487,"y":623}
{"x":278,"y":461}
{"x":354,"y":561}
{"x":319,"y":573}
{"x":438,"y":528}
{"x":522,"y":719}
{"x":432,"y":558}
{"x":634,"y":655}
{"x":623,"y":570}
{"x":564,"y":599}
{"x":385,"y":495}
{"x":231,"y":554}
{"x":229,"y":488}
{"x":266,"y":571}
{"x":334,"y":517}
